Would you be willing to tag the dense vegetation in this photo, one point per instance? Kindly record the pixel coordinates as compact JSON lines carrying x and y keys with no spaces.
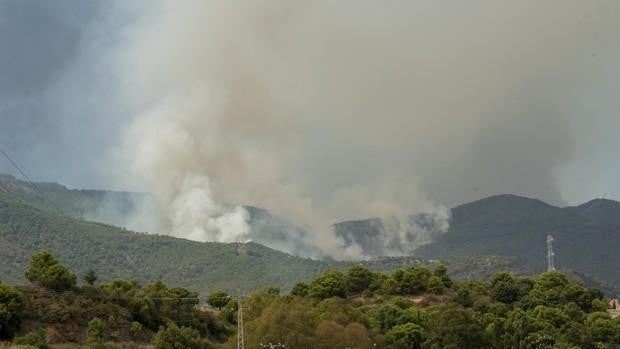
{"x":513,"y":226}
{"x":412,"y":307}
{"x":421,"y":308}
{"x":116,"y":253}
{"x":504,"y":232}
{"x":52,"y":310}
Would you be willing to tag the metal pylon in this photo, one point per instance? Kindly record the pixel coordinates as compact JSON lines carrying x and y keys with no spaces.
{"x":240,"y":340}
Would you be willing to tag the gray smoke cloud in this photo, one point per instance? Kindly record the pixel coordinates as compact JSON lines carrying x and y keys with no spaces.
{"x":326,"y":111}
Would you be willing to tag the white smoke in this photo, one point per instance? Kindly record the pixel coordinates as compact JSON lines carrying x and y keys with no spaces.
{"x":195,"y":216}
{"x":327,"y":111}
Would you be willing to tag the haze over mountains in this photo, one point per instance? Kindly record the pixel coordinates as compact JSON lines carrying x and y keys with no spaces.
{"x":507,"y":226}
{"x":321,"y":112}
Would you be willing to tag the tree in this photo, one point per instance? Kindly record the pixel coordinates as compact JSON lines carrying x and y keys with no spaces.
{"x":229,"y":311}
{"x":442,"y":272}
{"x":173,"y":337}
{"x":386,"y":316}
{"x":406,"y":336}
{"x":46,"y":271}
{"x":504,"y":288}
{"x":300,"y":289}
{"x":450,"y":326}
{"x":435,"y":285}
{"x":218,"y":299}
{"x":330,"y":284}
{"x":412,"y":280}
{"x":90,"y":277}
{"x":11,"y":309}
{"x":356,"y":336}
{"x":358,"y":279}
{"x":330,"y":334}
{"x":95,"y":334}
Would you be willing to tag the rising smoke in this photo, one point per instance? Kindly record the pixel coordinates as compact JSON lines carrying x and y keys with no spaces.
{"x":324,"y":111}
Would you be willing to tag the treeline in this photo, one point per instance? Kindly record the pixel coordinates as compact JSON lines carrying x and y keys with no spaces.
{"x":421,"y":308}
{"x":54,"y":309}
{"x":413,"y":308}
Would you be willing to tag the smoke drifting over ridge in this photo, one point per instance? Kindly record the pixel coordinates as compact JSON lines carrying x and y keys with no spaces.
{"x":326,"y":111}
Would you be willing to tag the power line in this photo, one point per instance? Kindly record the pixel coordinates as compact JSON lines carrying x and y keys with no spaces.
{"x":36,"y":188}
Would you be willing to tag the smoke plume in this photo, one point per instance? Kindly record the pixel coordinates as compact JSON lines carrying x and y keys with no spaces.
{"x":324,"y":111}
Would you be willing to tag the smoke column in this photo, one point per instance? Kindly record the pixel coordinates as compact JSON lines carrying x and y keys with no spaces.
{"x":324,"y":111}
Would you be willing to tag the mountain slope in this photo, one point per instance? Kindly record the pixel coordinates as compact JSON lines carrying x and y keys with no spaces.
{"x":119,"y":209}
{"x":513,"y":226}
{"x":600,"y":211}
{"x":114,"y":253}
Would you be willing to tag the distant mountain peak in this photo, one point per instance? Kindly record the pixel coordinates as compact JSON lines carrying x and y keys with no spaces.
{"x":601,"y":211}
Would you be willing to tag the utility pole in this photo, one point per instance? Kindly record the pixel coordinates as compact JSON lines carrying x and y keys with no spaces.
{"x":240,"y":340}
{"x":550,"y":254}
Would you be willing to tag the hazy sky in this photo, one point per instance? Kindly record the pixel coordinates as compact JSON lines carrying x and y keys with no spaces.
{"x":345,"y":107}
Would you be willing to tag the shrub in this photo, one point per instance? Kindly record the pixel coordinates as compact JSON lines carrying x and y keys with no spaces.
{"x":95,"y":334}
{"x":11,"y":308}
{"x":173,"y":337}
{"x":46,"y":271}
{"x":330,"y":284}
{"x":36,"y":339}
{"x":218,"y":299}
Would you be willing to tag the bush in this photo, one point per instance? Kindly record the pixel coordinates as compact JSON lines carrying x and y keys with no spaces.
{"x":90,"y":277}
{"x":36,"y":339}
{"x":95,"y":334}
{"x":358,"y":279}
{"x":11,"y":308}
{"x":46,"y":271}
{"x":173,"y":337}
{"x":218,"y":299}
{"x":135,"y":329}
{"x":300,"y":289}
{"x":330,"y":284}
{"x":405,"y":336}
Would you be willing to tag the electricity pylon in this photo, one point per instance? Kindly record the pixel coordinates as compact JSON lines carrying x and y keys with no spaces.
{"x":550,"y":254}
{"x":240,"y":340}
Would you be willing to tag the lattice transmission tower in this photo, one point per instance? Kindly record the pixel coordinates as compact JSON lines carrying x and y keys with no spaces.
{"x":550,"y":254}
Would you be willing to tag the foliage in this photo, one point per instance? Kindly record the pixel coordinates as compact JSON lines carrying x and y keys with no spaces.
{"x":11,"y":310}
{"x":358,"y":279}
{"x":218,"y":299}
{"x":331,"y":284}
{"x":173,"y":337}
{"x":95,"y":334}
{"x":403,"y":310}
{"x":406,"y":336}
{"x":37,"y":339}
{"x":136,"y":329}
{"x":46,"y":271}
{"x":90,"y":277}
{"x":300,"y":289}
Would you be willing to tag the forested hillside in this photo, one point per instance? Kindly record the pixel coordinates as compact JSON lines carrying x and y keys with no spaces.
{"x":517,"y":227}
{"x":115,"y":253}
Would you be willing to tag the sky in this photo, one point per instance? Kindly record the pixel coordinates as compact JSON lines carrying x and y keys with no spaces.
{"x":319,"y":111}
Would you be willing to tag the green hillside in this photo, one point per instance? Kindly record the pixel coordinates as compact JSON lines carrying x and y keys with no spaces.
{"x":601,"y":211}
{"x":513,"y":226}
{"x":114,"y":253}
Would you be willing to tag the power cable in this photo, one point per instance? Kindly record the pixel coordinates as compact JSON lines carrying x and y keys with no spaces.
{"x":32,"y":184}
